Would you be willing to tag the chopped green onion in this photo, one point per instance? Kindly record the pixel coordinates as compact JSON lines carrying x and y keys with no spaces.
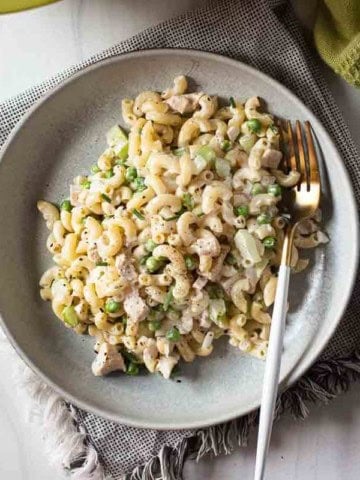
{"x":176,"y":216}
{"x":138,"y":214}
{"x":207,"y":153}
{"x":232,"y":102}
{"x":263,"y":219}
{"x":190,"y":262}
{"x":150,"y":245}
{"x":95,"y":169}
{"x":168,"y":299}
{"x":139,"y":184}
{"x":225,"y":145}
{"x":85,"y":184}
{"x":130,"y":174}
{"x":154,"y":325}
{"x":269,"y":242}
{"x":121,"y":161}
{"x":132,"y":369}
{"x":274,"y":190}
{"x":274,"y":129}
{"x":173,"y":335}
{"x":153,"y":264}
{"x":69,"y":316}
{"x":112,"y":306}
{"x":241,"y":210}
{"x":179,"y":151}
{"x":106,"y":198}
{"x":109,"y":173}
{"x":101,"y":264}
{"x":256,"y":189}
{"x":230,"y":259}
{"x":188,"y":201}
{"x":254,"y":125}
{"x":66,"y":205}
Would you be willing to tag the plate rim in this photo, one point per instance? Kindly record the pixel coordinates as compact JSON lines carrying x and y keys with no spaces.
{"x":302,"y":365}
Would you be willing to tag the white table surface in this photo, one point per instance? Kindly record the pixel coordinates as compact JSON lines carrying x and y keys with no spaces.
{"x":37,"y":44}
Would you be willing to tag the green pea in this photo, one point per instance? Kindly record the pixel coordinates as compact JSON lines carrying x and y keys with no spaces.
{"x":230,"y":259}
{"x":66,"y":205}
{"x":274,"y":190}
{"x":109,"y":173}
{"x":154,"y":325}
{"x":254,"y":125}
{"x":263,"y":219}
{"x":95,"y":169}
{"x":144,"y":258}
{"x":153,"y":264}
{"x":130,"y":174}
{"x":215,"y":291}
{"x":86,"y":184}
{"x":256,"y":189}
{"x":132,"y":369}
{"x":269,"y":242}
{"x":225,"y":145}
{"x":69,"y":316}
{"x":150,"y":245}
{"x":241,"y":210}
{"x":173,"y":335}
{"x":112,"y":306}
{"x":139,"y":184}
{"x":190,"y":262}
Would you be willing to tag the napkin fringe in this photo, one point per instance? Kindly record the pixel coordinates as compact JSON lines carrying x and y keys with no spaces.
{"x":67,"y":443}
{"x":323,"y":382}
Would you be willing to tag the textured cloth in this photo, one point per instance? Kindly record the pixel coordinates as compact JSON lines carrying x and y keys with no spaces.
{"x":266,"y":35}
{"x":337,"y":37}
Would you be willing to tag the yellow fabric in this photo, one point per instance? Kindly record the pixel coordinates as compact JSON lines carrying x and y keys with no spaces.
{"x":7,"y":6}
{"x":337,"y":37}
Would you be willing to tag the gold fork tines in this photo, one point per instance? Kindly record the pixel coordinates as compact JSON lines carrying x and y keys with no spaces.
{"x":302,"y":158}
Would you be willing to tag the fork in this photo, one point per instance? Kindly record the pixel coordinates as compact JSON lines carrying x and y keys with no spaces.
{"x":305,"y":194}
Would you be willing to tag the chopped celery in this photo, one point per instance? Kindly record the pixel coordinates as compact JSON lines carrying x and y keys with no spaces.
{"x":222,"y":167}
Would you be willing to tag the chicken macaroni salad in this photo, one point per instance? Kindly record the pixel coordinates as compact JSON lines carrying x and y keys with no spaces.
{"x":175,"y":237}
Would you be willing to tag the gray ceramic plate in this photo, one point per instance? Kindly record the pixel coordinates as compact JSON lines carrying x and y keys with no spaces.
{"x":60,"y":138}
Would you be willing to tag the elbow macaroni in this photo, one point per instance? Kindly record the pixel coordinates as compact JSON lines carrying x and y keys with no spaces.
{"x":175,"y":238}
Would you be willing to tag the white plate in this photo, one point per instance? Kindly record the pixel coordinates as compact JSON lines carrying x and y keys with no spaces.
{"x":61,"y":137}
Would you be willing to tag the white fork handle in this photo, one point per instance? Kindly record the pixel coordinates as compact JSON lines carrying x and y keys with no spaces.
{"x":272,"y":370}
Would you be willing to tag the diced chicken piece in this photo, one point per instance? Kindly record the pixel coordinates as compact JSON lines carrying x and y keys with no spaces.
{"x":107,"y":360}
{"x":135,"y":306}
{"x":217,"y":264}
{"x":271,"y":158}
{"x":125,"y":268}
{"x":200,"y":283}
{"x":93,"y":253}
{"x":205,"y":321}
{"x":165,"y":366}
{"x":184,"y":103}
{"x":207,"y":246}
{"x":150,"y":355}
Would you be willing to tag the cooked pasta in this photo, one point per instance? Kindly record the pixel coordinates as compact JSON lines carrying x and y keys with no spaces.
{"x":174,"y":239}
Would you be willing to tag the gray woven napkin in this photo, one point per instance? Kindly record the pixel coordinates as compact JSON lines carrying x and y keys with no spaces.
{"x":264,"y":34}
